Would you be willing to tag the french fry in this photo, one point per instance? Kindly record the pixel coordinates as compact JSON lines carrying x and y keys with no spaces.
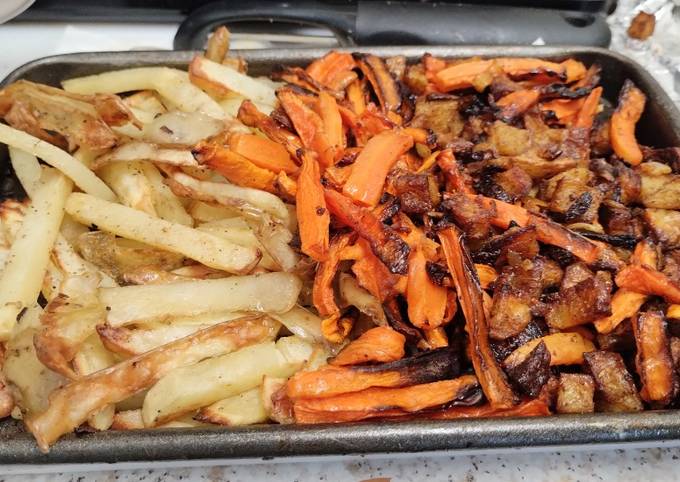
{"x":27,"y":169}
{"x":130,"y":223}
{"x":302,"y":323}
{"x":166,"y":204}
{"x":143,"y":151}
{"x":222,"y":377}
{"x":55,"y":157}
{"x":120,"y":381}
{"x":133,"y":189}
{"x":132,"y":304}
{"x":172,"y":84}
{"x":246,"y":408}
{"x":92,"y":357}
{"x":22,"y":276}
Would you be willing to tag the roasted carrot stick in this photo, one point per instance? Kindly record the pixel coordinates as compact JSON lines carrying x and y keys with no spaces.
{"x":262,"y":152}
{"x":574,"y":70}
{"x":517,"y":66}
{"x":586,"y":115}
{"x":643,"y":279}
{"x":490,"y":375}
{"x":456,"y":180}
{"x":328,"y":67}
{"x":564,"y":348}
{"x":371,"y":402}
{"x":426,"y":300}
{"x":365,"y":184}
{"x":530,"y":408}
{"x":385,"y":243}
{"x":308,"y":125}
{"x":322,"y":290}
{"x":460,"y":75}
{"x":312,"y":215}
{"x":336,"y":327}
{"x":673,"y":311}
{"x":517,"y":103}
{"x":653,"y":359}
{"x":328,"y":381}
{"x":645,"y":254}
{"x":234,"y":167}
{"x":249,"y":114}
{"x":373,"y":275}
{"x":356,"y":97}
{"x":625,"y":303}
{"x":565,"y":110}
{"x":379,"y":344}
{"x":332,"y":122}
{"x":622,"y":130}
{"x":436,"y":337}
{"x":380,"y":78}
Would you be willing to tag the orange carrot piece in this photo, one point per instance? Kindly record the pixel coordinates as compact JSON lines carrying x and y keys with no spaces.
{"x":673,"y":311}
{"x":622,"y":130}
{"x":308,"y":125}
{"x":455,"y":178}
{"x":323,"y":296}
{"x":365,"y":184}
{"x":332,"y":122}
{"x":436,"y":337}
{"x":491,"y":377}
{"x":625,"y":303}
{"x":586,"y":115}
{"x":565,"y":110}
{"x":331,"y":380}
{"x":325,"y":69}
{"x":574,"y":70}
{"x":373,"y":275}
{"x":643,"y":279}
{"x":336,"y":328}
{"x":234,"y":167}
{"x":486,"y":274}
{"x":460,"y":75}
{"x":262,"y":152}
{"x":249,"y":114}
{"x":379,"y":344}
{"x":530,"y":408}
{"x":653,"y":359}
{"x":426,"y":301}
{"x":356,"y":97}
{"x":312,"y":215}
{"x":517,"y":66}
{"x":645,"y":254}
{"x":371,"y":402}
{"x":517,"y":103}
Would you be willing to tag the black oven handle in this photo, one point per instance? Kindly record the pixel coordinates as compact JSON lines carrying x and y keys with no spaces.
{"x":407,"y":23}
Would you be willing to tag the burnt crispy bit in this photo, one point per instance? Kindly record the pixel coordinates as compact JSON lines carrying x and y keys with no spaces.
{"x":664,"y":225}
{"x":517,"y":290}
{"x":530,"y":374}
{"x":600,"y":145}
{"x":575,"y":394}
{"x":438,"y":274}
{"x":384,"y":85}
{"x":581,"y":303}
{"x":618,"y":220}
{"x":395,"y":318}
{"x":521,"y":241}
{"x":470,"y":213}
{"x":620,"y":339}
{"x":503,"y":348}
{"x":441,"y":116}
{"x":415,"y":192}
{"x":614,"y":387}
{"x":653,"y":360}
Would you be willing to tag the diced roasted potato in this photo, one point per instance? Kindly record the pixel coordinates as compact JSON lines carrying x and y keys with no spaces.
{"x":581,"y":303}
{"x":665,"y":224}
{"x":575,"y":394}
{"x":660,"y":191}
{"x":614,"y":387}
{"x":532,"y":372}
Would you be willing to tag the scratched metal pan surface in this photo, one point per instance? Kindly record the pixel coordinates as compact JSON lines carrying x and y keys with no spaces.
{"x":659,"y":126}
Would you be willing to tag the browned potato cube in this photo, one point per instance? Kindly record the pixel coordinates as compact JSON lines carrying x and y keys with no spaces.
{"x":575,"y":394}
{"x":615,"y":390}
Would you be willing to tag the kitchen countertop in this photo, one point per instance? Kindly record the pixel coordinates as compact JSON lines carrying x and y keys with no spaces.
{"x":657,"y":464}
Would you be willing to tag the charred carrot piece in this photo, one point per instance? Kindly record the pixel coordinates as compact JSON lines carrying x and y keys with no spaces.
{"x":262,"y":152}
{"x":365,"y":184}
{"x":312,"y":215}
{"x":234,"y":167}
{"x":356,"y":97}
{"x":385,"y":243}
{"x":530,"y":408}
{"x":371,"y":403}
{"x":517,"y":103}
{"x":328,"y":381}
{"x":653,"y":358}
{"x":373,"y":275}
{"x":456,"y":180}
{"x":332,"y":122}
{"x":645,"y":254}
{"x":426,"y":300}
{"x":323,"y":296}
{"x":491,"y":377}
{"x":249,"y":114}
{"x":308,"y":125}
{"x":645,"y":280}
{"x":565,"y":110}
{"x":574,"y":70}
{"x":380,"y":344}
{"x":328,"y":67}
{"x":623,"y":121}
{"x":380,"y":78}
{"x":586,"y":115}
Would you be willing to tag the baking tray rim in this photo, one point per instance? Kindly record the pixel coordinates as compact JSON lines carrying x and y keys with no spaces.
{"x":272,"y":442}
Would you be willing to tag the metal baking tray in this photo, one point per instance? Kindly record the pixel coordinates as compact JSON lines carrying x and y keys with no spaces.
{"x":659,"y":126}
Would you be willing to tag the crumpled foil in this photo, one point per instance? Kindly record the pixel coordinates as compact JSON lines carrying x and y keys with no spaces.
{"x":660,"y":53}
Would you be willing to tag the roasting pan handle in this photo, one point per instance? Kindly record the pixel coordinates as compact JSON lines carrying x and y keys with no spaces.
{"x":408,"y":23}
